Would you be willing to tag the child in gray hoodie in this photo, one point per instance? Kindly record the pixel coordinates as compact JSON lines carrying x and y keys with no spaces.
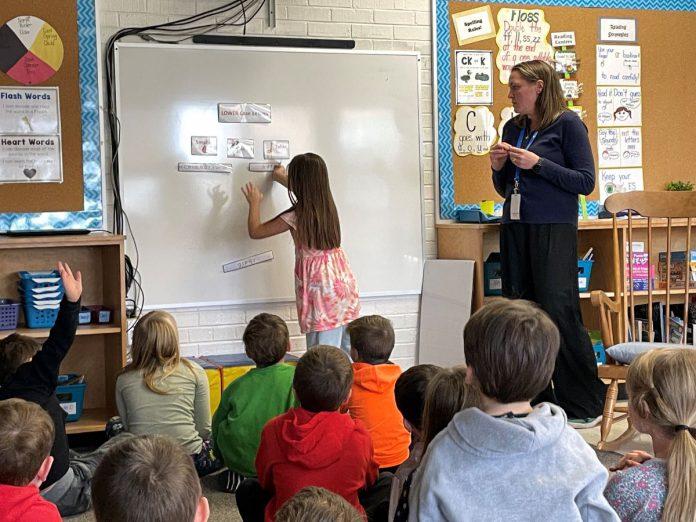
{"x":509,"y":461}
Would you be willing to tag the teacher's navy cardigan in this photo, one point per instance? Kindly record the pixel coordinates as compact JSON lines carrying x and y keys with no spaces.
{"x":551,"y":195}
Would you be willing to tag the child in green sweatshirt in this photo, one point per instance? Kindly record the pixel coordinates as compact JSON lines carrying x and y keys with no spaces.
{"x":249,"y":402}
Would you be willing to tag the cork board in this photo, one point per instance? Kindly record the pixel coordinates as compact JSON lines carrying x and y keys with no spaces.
{"x":68,"y":195}
{"x":665,"y":38}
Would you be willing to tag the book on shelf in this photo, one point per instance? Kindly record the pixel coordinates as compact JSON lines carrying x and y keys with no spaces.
{"x":678,"y":271}
{"x":641,"y":316}
{"x":641,"y":273}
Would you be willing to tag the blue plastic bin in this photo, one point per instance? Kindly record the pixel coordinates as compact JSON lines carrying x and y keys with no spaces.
{"x":71,"y":397}
{"x":9,"y":313}
{"x":584,"y":273}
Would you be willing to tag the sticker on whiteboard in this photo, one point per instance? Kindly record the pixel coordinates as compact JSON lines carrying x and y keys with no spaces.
{"x":221,"y":168}
{"x":247,"y":261}
{"x":240,"y":148}
{"x":564,"y":39}
{"x":276,"y":149}
{"x":244,"y":113}
{"x":266,"y":166}
{"x":203,"y":146}
{"x":618,"y":30}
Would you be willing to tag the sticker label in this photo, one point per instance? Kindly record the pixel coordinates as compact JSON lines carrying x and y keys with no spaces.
{"x":247,"y":261}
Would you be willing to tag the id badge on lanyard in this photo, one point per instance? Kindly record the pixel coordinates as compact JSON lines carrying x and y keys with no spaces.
{"x":516,"y":197}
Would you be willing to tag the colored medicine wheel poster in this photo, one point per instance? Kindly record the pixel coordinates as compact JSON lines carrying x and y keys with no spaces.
{"x":31,"y":50}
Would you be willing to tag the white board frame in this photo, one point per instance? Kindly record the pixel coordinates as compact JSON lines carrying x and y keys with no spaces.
{"x":279,"y":199}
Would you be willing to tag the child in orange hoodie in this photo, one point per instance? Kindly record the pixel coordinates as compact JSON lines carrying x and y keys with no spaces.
{"x":372,"y":399}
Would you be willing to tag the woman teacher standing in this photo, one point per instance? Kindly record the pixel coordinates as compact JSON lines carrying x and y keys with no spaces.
{"x":542,"y":163}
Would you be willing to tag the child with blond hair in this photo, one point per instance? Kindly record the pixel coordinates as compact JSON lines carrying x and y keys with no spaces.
{"x":661,"y":387}
{"x":160,"y":392}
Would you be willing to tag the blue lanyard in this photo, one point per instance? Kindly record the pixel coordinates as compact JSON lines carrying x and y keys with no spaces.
{"x":519,"y":143}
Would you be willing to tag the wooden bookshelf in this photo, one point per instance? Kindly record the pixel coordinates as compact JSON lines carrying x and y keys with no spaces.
{"x":99,"y":350}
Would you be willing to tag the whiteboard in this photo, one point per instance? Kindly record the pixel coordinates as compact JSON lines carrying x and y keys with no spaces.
{"x":358,"y":110}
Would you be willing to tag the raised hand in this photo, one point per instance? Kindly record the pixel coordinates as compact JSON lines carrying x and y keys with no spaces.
{"x":71,"y":284}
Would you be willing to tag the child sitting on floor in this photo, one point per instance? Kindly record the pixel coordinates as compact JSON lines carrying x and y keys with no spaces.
{"x":661,"y":388}
{"x":446,"y":395}
{"x":372,"y":398}
{"x":313,"y":445}
{"x":409,"y":393}
{"x":29,"y":371}
{"x":249,"y":402}
{"x":313,"y":504}
{"x":148,"y":478}
{"x":160,"y":392}
{"x":507,"y":460}
{"x":26,"y":436}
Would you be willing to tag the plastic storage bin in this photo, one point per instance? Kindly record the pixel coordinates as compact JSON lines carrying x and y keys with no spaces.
{"x":9,"y":313}
{"x":41,"y":295}
{"x":584,"y":273}
{"x":492,"y":275}
{"x":71,"y":396}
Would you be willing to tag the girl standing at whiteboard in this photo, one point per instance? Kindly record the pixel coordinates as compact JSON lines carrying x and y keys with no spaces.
{"x":325,"y":287}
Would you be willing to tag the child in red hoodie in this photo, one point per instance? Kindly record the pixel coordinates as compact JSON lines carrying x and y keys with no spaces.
{"x":26,"y":437}
{"x":372,"y":399}
{"x":313,"y":445}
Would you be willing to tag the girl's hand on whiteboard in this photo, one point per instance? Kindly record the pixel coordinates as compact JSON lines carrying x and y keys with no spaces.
{"x":499,"y":155}
{"x":280,"y":176}
{"x":252,"y":194}
{"x":523,"y":158}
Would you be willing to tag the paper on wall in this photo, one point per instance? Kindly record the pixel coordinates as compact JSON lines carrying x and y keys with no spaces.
{"x":474,"y":77}
{"x":619,"y":106}
{"x":25,"y":159}
{"x":618,"y":65}
{"x":203,"y":145}
{"x":506,"y":114}
{"x":619,"y":147}
{"x":474,"y":131}
{"x":521,"y":36}
{"x":474,"y":25}
{"x":612,"y":181}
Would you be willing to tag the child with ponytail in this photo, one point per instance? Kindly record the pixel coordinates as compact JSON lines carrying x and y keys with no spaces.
{"x":662,"y":403}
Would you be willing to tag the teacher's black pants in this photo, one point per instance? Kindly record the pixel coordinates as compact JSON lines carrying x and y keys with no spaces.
{"x":539,"y":263}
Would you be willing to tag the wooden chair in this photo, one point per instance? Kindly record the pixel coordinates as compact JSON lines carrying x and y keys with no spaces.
{"x":664,"y":226}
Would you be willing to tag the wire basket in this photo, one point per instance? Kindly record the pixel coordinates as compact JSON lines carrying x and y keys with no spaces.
{"x":9,"y":314}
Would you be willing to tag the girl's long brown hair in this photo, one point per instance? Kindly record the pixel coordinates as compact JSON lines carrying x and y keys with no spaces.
{"x":550,"y":103}
{"x":447,"y":394}
{"x":318,"y":226}
{"x":662,"y":389}
{"x":155,"y":349}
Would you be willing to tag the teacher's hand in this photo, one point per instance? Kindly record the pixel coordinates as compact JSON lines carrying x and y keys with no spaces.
{"x":522,"y":158}
{"x":499,"y":155}
{"x":252,"y":194}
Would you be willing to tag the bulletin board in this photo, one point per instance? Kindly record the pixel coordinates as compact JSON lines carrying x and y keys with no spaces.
{"x":665,"y":39}
{"x":76,"y":201}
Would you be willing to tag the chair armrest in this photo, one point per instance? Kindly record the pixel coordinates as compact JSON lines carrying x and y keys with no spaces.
{"x":600,"y":299}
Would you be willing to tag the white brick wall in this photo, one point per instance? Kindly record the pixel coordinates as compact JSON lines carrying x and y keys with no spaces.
{"x":399,"y":25}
